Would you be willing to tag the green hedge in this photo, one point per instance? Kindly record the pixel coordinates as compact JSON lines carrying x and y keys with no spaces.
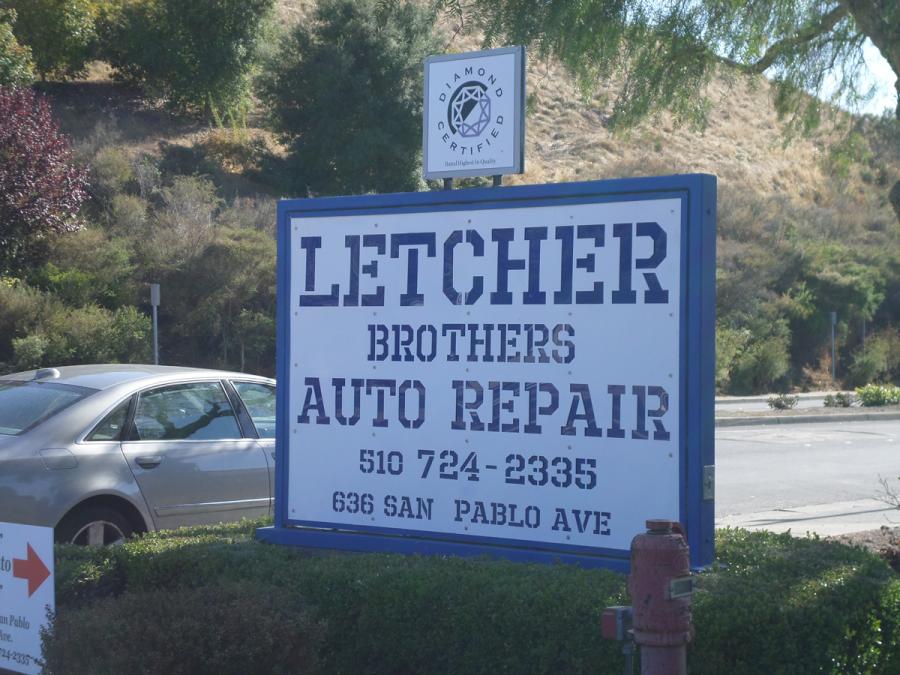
{"x":772,"y":604}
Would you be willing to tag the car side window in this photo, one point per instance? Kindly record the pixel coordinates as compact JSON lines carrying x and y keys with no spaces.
{"x":110,"y":429}
{"x":260,"y":402}
{"x":197,"y":412}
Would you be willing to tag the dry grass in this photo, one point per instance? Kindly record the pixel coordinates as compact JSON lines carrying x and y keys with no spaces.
{"x":567,"y":137}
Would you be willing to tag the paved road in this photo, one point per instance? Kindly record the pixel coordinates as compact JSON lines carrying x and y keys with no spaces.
{"x":813,"y":477}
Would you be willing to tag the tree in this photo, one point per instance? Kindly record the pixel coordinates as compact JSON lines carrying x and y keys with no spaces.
{"x":346,"y":94}
{"x":16,"y":64}
{"x":41,"y":190}
{"x":60,"y":33}
{"x":197,"y":55}
{"x":665,"y":52}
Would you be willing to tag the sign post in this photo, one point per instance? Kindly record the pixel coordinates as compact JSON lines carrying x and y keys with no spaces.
{"x":154,"y":302}
{"x":26,"y":594}
{"x":833,"y":352}
{"x":521,"y":371}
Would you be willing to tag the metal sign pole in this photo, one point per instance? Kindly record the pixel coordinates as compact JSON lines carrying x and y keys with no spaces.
{"x":154,"y":302}
{"x":833,"y":363}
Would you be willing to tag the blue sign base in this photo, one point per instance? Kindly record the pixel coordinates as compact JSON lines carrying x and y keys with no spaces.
{"x":368,"y":543}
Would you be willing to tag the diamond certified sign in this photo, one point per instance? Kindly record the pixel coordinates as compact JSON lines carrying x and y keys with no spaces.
{"x":474,"y":113}
{"x":525,"y":371}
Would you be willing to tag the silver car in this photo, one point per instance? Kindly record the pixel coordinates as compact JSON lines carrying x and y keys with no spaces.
{"x":102,"y":452}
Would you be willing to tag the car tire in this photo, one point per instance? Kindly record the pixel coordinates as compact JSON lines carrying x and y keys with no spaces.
{"x":93,"y":526}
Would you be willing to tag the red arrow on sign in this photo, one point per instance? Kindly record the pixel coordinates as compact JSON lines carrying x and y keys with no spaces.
{"x":33,"y":569}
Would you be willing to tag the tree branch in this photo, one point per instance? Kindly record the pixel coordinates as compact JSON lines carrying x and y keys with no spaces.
{"x":825,"y":24}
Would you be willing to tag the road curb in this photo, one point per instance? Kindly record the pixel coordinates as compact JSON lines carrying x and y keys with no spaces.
{"x":762,"y":398}
{"x":804,"y":419}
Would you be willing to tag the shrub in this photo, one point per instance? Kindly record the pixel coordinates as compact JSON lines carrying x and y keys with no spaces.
{"x":774,"y":604}
{"x":875,"y":395}
{"x":190,"y":53}
{"x":127,"y":214}
{"x":16,"y":64}
{"x":186,"y":219}
{"x":111,"y":172}
{"x":87,"y":268}
{"x":782,"y":401}
{"x":29,"y":351}
{"x":148,"y":176}
{"x":40,"y":189}
{"x":346,"y":94}
{"x":252,"y":213}
{"x":36,"y":328}
{"x":730,"y":342}
{"x":21,"y":308}
{"x":814,"y":606}
{"x":234,"y":151}
{"x":84,"y":335}
{"x":255,"y":334}
{"x":877,"y":360}
{"x":61,"y":33}
{"x":258,"y":630}
{"x":761,"y":365}
{"x":839,"y":400}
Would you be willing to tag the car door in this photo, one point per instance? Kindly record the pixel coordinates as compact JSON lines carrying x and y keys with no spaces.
{"x":190,"y":459}
{"x":259,"y":401}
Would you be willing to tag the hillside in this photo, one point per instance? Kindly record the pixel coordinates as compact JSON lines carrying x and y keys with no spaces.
{"x":805,"y":227}
{"x":567,"y":137}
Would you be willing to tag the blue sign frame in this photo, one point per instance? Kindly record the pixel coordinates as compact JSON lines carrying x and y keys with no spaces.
{"x":697,"y":373}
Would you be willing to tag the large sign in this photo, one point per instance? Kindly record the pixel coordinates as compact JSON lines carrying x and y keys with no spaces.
{"x":523,"y":370}
{"x":26,"y":594}
{"x":474,"y":113}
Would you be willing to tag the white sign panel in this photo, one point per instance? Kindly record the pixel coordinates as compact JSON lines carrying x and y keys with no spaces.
{"x":26,"y":594}
{"x":506,"y":374}
{"x":474,"y":113}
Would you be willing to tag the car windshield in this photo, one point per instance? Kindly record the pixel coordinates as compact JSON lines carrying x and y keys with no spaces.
{"x":26,"y":404}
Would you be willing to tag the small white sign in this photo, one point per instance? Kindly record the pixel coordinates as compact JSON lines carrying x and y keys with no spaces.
{"x":26,"y":594}
{"x":474,"y":113}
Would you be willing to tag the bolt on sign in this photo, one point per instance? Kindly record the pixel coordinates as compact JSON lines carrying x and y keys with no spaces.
{"x":523,"y":371}
{"x":26,"y":594}
{"x":474,"y":113}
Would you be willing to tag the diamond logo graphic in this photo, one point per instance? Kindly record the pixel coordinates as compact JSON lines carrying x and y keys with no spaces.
{"x":469,"y":110}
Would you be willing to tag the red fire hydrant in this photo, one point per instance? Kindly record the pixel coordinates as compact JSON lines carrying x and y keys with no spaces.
{"x":661,"y":585}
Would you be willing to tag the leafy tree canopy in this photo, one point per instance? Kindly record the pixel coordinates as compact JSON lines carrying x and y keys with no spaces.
{"x":663,"y":52}
{"x":16,"y":64}
{"x":346,"y":93}
{"x":668,"y":49}
{"x":198,"y":55}
{"x":60,"y":33}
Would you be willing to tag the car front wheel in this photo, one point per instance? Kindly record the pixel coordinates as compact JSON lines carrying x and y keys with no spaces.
{"x":93,"y":526}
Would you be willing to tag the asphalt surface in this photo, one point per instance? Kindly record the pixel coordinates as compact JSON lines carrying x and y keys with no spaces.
{"x":817,"y":477}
